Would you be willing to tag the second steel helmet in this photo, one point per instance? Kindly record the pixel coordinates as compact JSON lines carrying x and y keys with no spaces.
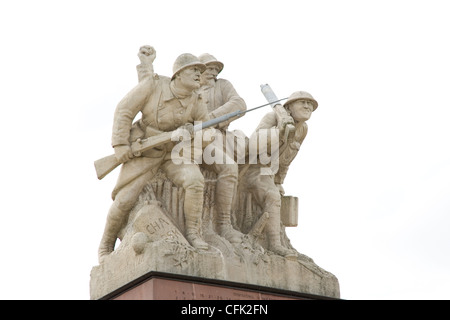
{"x":207,"y":58}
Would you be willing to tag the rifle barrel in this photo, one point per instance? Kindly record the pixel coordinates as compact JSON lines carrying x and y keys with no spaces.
{"x":225,"y":117}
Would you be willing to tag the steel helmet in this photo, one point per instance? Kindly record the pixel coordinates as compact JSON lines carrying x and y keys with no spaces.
{"x":207,"y":58}
{"x":302,"y":95}
{"x":186,"y":60}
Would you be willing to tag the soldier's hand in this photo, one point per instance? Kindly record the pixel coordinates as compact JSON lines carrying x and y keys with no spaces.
{"x":285,"y":125}
{"x":147,"y":54}
{"x":189,"y":127}
{"x":123,"y":153}
{"x":285,"y":120}
{"x":283,"y":117}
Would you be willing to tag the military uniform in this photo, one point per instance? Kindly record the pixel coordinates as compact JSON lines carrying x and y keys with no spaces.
{"x":265,"y":188}
{"x":163,"y":110}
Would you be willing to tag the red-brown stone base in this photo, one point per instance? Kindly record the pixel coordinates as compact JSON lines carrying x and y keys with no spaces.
{"x":165,"y":286}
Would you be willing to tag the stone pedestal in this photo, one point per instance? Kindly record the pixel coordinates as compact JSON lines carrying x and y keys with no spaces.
{"x":125,"y":270}
{"x":153,"y":243}
{"x":165,"y":286}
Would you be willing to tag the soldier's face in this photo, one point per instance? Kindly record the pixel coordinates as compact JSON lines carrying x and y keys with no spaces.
{"x":211,"y":72}
{"x":190,"y":78}
{"x":301,"y":110}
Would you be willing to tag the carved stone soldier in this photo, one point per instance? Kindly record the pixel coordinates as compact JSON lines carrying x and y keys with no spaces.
{"x":165,"y":104}
{"x":267,"y":189}
{"x":220,"y":98}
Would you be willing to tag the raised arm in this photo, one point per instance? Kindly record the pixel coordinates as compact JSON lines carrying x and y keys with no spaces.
{"x":147,"y":55}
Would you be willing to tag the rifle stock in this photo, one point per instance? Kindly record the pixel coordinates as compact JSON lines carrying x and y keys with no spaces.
{"x":105,"y":165}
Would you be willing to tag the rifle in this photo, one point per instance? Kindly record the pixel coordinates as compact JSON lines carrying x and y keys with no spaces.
{"x":107,"y":164}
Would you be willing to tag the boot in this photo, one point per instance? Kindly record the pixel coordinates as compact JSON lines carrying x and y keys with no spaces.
{"x":114,"y":222}
{"x":193,"y":234}
{"x":193,"y":208}
{"x":273,"y":232}
{"x":226,"y":230}
{"x":225,"y":191}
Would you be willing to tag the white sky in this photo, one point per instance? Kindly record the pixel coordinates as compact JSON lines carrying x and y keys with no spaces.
{"x":372,"y":177}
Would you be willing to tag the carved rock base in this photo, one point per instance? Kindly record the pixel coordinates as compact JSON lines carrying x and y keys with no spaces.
{"x":152,"y":242}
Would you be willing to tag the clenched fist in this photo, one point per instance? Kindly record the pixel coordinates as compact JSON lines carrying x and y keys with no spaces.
{"x":147,"y":54}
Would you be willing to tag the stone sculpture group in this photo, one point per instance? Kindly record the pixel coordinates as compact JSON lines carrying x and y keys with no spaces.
{"x":193,"y":197}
